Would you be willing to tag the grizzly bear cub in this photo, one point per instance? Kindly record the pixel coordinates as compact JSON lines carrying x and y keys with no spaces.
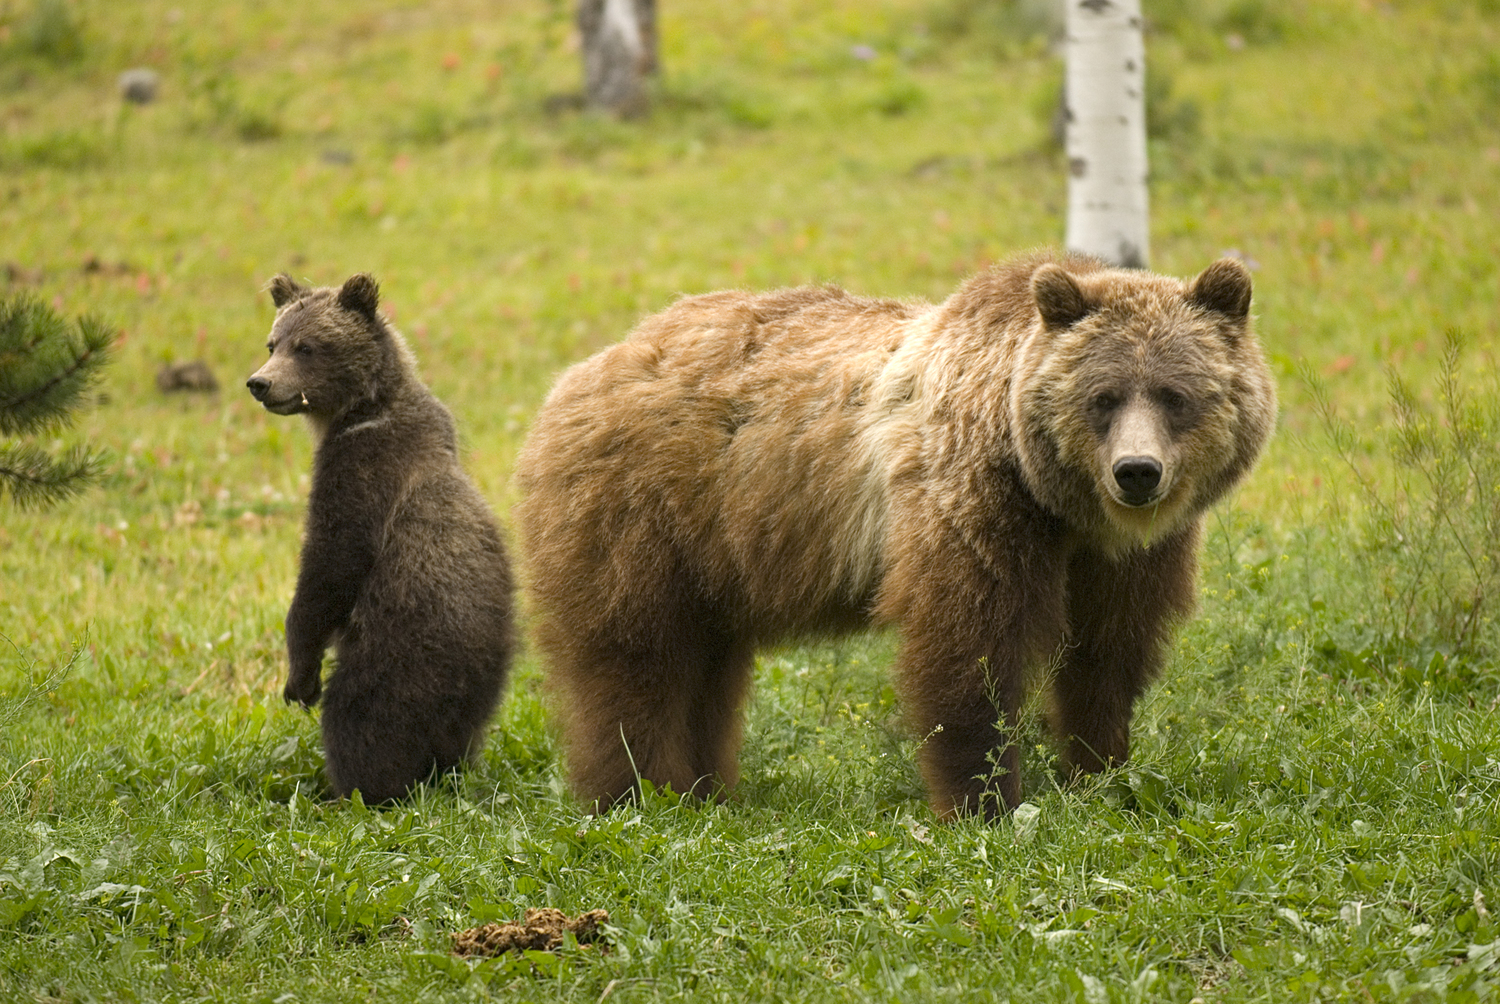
{"x":403,"y":569}
{"x":1014,"y":476}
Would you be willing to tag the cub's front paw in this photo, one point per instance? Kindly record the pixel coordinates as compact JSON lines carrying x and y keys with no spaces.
{"x":303,"y":689}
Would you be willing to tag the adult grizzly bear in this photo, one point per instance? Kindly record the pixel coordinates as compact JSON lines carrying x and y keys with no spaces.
{"x":402,"y":567}
{"x":1014,"y":474}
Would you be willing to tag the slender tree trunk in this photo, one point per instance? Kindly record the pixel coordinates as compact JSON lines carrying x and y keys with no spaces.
{"x":619,"y":52}
{"x":1106,"y":131}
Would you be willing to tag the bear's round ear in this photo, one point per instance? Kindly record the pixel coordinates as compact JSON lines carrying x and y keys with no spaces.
{"x":1223,"y":287}
{"x":284,"y":289}
{"x":360,"y":294}
{"x":1058,"y":298}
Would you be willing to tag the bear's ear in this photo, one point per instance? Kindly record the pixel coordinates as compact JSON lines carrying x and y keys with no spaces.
{"x":360,"y":294}
{"x":1223,"y":287}
{"x":1058,"y":298}
{"x":284,"y":289}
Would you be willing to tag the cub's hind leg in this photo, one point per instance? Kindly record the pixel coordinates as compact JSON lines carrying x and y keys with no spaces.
{"x":371,"y":742}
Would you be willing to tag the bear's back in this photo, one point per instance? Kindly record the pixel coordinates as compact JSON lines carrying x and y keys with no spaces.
{"x":732,"y":428}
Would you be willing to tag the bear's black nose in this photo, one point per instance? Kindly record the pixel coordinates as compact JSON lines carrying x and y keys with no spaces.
{"x":1137,"y":478}
{"x":259,"y":387}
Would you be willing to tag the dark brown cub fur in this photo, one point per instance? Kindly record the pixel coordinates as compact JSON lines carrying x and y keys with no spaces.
{"x":403,"y":569}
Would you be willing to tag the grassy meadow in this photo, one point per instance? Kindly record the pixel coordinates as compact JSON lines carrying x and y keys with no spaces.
{"x":1311,"y":811}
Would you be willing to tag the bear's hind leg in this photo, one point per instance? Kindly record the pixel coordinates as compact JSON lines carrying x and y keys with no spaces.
{"x":1120,"y":614}
{"x":371,"y":746}
{"x":669,"y":713}
{"x":716,"y":717}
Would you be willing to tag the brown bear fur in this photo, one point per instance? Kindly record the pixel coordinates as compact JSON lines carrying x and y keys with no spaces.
{"x":402,"y":567}
{"x":1015,"y":474}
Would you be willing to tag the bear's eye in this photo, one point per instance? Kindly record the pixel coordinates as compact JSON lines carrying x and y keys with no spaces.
{"x":1105,"y":402}
{"x":303,"y":349}
{"x":1172,"y":401}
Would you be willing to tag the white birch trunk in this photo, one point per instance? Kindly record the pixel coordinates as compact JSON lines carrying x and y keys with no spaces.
{"x":619,"y":52}
{"x":1106,"y":131}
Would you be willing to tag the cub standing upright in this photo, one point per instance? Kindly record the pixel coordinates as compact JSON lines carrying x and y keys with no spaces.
{"x":403,"y":569}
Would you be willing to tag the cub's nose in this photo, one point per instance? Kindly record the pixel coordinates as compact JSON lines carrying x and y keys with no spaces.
{"x":259,"y":387}
{"x":1137,"y":478}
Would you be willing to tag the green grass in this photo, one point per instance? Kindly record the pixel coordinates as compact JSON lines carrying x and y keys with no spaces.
{"x":1311,"y":808}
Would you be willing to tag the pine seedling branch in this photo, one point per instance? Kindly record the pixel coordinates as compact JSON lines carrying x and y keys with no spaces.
{"x":46,"y":366}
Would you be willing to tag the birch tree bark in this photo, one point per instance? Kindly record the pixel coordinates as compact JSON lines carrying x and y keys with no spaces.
{"x":1106,"y":131}
{"x":619,"y":52}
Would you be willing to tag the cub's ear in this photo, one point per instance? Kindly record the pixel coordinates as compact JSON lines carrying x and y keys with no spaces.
{"x":1058,"y":298}
{"x":1223,"y":287}
{"x":360,"y":294}
{"x":284,"y":289}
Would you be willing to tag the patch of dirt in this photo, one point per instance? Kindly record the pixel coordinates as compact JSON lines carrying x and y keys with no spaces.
{"x":19,"y":275}
{"x":542,"y":930}
{"x":194,"y":377}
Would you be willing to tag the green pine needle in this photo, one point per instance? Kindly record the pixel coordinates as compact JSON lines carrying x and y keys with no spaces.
{"x":46,"y":365}
{"x":34,"y":478}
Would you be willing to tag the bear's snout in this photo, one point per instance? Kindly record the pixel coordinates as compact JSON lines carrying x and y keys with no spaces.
{"x":1137,"y":478}
{"x":276,"y":398}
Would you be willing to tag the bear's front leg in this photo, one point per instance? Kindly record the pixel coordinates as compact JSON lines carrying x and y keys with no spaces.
{"x":968,"y":636}
{"x":1120,"y":615}
{"x":969,"y":757}
{"x":338,"y":551}
{"x":305,"y":642}
{"x":304,"y":681}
